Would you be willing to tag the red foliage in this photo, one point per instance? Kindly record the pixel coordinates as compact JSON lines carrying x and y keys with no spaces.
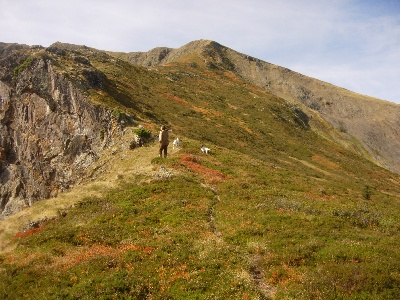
{"x":97,"y":250}
{"x":176,"y":98}
{"x":210,"y":175}
{"x":28,"y":232}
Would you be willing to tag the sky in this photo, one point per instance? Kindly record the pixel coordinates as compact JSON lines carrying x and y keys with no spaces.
{"x":354,"y":44}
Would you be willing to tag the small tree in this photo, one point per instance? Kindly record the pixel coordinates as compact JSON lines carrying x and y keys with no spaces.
{"x":141,"y":136}
{"x":142,"y":133}
{"x":367,"y":192}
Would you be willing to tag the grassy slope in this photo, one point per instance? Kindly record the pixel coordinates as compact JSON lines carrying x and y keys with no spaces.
{"x":275,"y":212}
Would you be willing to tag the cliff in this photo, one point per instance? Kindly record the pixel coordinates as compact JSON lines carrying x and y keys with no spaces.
{"x":50,"y":131}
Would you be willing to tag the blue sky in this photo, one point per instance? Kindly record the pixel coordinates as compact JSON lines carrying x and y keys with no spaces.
{"x":353,"y":44}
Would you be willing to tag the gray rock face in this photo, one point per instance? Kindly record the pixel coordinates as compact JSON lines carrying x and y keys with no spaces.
{"x":49,"y":132}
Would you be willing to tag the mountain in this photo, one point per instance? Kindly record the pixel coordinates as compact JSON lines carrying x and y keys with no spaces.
{"x":372,"y":122}
{"x":295,"y":200}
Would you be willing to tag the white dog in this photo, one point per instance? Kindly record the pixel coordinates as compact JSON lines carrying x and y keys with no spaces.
{"x":204,"y":149}
{"x":175,"y":143}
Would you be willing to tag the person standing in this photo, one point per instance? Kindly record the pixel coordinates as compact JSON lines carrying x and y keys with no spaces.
{"x":163,"y":138}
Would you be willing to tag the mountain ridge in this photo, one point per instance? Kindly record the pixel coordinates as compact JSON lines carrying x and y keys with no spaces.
{"x":350,"y":113}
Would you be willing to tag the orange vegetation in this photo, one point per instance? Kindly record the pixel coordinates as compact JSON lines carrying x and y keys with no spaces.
{"x":28,"y":232}
{"x":325,"y":162}
{"x":210,"y":175}
{"x":98,"y":250}
{"x":176,"y":98}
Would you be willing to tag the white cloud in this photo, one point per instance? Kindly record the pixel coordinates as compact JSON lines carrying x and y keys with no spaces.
{"x":350,"y":43}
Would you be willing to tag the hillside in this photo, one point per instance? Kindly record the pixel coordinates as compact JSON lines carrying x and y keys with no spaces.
{"x":284,"y":207}
{"x":372,"y":122}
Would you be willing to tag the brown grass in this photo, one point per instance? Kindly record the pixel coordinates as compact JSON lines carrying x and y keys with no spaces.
{"x":105,"y":174}
{"x":325,"y":162}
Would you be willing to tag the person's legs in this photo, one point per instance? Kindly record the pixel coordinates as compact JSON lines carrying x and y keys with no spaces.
{"x":163,"y":148}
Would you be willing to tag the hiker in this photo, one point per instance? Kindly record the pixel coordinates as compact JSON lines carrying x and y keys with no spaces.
{"x":163,"y":138}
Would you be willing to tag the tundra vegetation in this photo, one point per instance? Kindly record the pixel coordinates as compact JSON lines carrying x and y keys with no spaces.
{"x":277,"y":211}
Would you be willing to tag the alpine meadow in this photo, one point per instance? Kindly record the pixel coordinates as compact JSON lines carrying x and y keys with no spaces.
{"x":298,"y":198}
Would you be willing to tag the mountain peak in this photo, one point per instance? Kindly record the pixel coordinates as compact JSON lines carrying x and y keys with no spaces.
{"x":201,"y":44}
{"x":67,"y":46}
{"x":164,"y":55}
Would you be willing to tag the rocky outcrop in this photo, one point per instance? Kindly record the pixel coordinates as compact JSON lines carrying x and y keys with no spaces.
{"x":49,"y":131}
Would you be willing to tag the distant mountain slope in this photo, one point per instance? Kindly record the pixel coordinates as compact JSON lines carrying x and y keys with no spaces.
{"x":374,"y":123}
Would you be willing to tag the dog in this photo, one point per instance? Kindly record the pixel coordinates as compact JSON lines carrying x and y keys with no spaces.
{"x":175,"y":143}
{"x":205,"y":150}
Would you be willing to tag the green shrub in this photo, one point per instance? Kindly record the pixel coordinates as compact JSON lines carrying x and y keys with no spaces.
{"x":26,"y":64}
{"x":118,"y":114}
{"x":142,"y":133}
{"x":367,"y":192}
